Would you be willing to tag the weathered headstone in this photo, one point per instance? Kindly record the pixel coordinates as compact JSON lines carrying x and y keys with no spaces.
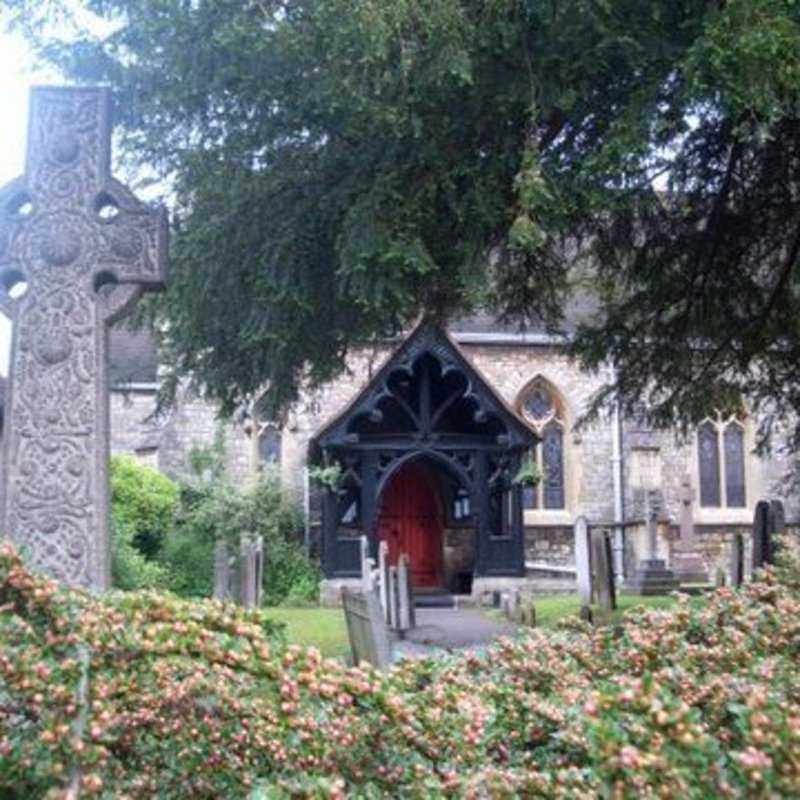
{"x":652,"y":576}
{"x":687,"y":560}
{"x":366,"y":628}
{"x":393,"y":597}
{"x":405,"y":599}
{"x":777,"y":527}
{"x":777,"y":518}
{"x":762,"y":536}
{"x":383,"y":577}
{"x":367,"y":566}
{"x":603,"y":571}
{"x":84,"y":248}
{"x":222,"y":572}
{"x":583,"y":562}
{"x":251,"y":560}
{"x":737,"y":560}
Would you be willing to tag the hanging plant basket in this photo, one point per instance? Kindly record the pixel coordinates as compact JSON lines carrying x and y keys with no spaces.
{"x":330,"y":477}
{"x":529,"y":473}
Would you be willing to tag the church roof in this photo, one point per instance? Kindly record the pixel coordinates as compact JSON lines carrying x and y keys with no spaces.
{"x":478,"y":394}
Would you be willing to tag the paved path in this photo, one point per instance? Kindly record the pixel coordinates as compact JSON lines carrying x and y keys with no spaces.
{"x":440,"y":630}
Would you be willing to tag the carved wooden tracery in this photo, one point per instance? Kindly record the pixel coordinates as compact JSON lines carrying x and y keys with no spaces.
{"x":427,"y":402}
{"x":85,"y":248}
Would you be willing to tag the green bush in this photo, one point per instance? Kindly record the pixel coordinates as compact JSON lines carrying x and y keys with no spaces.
{"x":143,"y":504}
{"x":140,"y":695}
{"x":216,"y":509}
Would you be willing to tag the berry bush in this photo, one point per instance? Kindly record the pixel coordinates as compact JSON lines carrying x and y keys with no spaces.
{"x":140,"y":695}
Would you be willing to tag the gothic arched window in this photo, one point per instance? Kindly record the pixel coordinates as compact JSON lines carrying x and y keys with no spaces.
{"x":721,"y":463}
{"x":544,"y":410}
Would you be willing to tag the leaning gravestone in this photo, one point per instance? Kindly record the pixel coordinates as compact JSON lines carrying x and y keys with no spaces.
{"x":603,"y":571}
{"x":85,"y":248}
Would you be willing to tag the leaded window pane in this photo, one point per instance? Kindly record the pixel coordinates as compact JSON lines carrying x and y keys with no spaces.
{"x":553,"y":463}
{"x":538,"y":404}
{"x":734,"y":465}
{"x":708,"y":455}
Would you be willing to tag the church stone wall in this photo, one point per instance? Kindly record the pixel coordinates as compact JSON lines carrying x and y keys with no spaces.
{"x":165,"y":443}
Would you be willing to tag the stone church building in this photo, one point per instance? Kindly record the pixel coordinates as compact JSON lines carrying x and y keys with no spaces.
{"x":431,"y":438}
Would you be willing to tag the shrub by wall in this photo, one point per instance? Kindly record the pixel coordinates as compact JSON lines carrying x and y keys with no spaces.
{"x":216,"y":509}
{"x":143,"y":503}
{"x":138,"y":695}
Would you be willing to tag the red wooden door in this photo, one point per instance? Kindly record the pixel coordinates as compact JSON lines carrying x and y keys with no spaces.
{"x":410,"y":523}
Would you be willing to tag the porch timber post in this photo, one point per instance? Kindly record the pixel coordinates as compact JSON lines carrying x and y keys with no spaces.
{"x":369,"y":500}
{"x":518,"y":520}
{"x":481,"y":505}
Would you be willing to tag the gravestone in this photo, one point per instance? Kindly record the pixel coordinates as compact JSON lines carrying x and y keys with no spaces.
{"x":687,"y":560}
{"x":405,"y":597}
{"x":366,"y":628}
{"x":383,"y":577}
{"x":777,"y":527}
{"x":603,"y":571}
{"x":223,"y":577}
{"x":393,"y":598}
{"x":583,"y":562}
{"x":762,"y":536}
{"x":84,"y":248}
{"x":367,"y":566}
{"x":652,"y":577}
{"x":251,"y":570}
{"x":737,"y":560}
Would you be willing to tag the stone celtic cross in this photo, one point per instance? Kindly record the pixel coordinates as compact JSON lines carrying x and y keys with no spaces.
{"x":83,"y":248}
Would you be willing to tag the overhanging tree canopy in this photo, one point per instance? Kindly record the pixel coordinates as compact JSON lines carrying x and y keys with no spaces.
{"x":340,"y":166}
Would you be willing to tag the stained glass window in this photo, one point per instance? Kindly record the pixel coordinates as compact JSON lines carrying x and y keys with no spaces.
{"x":734,"y":465}
{"x":721,"y":457}
{"x":538,"y":404}
{"x":708,"y":455}
{"x":553,"y":463}
{"x":543,"y":409}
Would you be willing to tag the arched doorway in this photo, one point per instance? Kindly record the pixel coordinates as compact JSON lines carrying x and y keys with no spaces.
{"x":411,"y":522}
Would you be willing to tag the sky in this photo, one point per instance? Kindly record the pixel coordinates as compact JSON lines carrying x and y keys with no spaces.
{"x":17,"y":74}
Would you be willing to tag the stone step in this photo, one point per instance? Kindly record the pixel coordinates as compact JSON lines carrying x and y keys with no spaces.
{"x":437,"y":599}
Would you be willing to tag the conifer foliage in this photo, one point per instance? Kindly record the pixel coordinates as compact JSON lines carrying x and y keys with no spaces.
{"x":341,"y":166}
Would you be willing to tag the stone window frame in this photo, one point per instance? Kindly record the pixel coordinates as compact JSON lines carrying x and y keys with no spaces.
{"x":721,"y":424}
{"x":558,"y":415}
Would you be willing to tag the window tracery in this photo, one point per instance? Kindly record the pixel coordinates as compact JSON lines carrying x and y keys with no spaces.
{"x":542,"y":407}
{"x":721,"y":462}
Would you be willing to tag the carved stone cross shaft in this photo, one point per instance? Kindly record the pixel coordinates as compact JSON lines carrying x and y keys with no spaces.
{"x":84,"y":248}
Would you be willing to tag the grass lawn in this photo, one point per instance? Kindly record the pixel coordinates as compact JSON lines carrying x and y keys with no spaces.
{"x":323,"y":628}
{"x":551,"y":609}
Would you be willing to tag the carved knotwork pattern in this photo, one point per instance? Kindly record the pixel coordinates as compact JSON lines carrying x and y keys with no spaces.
{"x":53,"y":239}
